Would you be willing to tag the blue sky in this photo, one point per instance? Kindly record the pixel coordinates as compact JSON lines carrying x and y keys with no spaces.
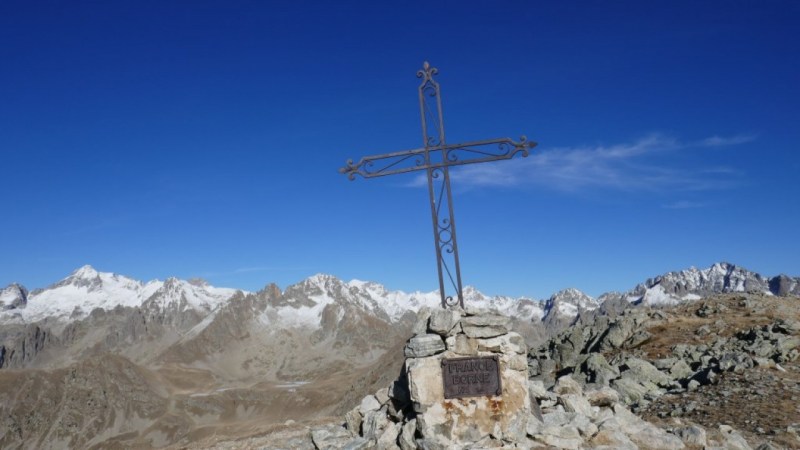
{"x":186,"y":139}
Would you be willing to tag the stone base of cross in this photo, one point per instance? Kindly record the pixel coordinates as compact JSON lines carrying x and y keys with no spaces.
{"x":436,"y":157}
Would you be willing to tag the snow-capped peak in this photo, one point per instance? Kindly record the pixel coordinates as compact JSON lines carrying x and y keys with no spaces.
{"x":13,"y":296}
{"x":693,"y":283}
{"x":568,"y":302}
{"x":86,"y":272}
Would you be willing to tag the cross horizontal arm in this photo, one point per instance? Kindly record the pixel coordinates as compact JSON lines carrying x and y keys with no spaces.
{"x":447,"y":155}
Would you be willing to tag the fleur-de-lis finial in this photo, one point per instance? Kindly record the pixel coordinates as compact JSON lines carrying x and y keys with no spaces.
{"x":427,"y":71}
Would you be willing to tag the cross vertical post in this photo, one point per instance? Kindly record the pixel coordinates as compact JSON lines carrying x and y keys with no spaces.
{"x":436,"y":157}
{"x":444,"y":226}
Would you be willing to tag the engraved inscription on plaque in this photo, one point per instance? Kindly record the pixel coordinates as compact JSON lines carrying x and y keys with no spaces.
{"x":471,"y":377}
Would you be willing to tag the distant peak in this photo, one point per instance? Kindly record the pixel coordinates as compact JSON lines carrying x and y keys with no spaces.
{"x":322,"y":278}
{"x":85,"y":272}
{"x":199,"y":282}
{"x":570,"y":293}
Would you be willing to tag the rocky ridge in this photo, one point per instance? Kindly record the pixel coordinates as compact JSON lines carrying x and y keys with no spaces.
{"x":691,"y":362}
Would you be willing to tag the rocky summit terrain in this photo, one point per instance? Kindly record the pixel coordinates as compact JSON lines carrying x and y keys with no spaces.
{"x":721,"y":372}
{"x":699,"y":358}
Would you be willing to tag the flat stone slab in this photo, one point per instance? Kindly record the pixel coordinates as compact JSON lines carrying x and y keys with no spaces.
{"x":424,"y":345}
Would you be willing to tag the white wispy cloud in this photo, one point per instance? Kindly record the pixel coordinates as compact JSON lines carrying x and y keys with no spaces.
{"x":643,"y":164}
{"x":252,"y":269}
{"x":683,"y":204}
{"x":719,"y":141}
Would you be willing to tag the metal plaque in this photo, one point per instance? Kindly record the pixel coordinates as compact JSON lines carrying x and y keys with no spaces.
{"x":471,"y":377}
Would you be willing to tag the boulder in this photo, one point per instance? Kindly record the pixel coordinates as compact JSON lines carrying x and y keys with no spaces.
{"x":604,"y":396}
{"x":642,"y":371}
{"x":598,"y":370}
{"x":566,"y":385}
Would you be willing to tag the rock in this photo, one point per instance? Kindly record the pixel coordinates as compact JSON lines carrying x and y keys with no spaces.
{"x":692,"y":435}
{"x":584,"y":425}
{"x":665,"y":363}
{"x":488,"y":320}
{"x":536,"y":389}
{"x":566,"y":385}
{"x":642,"y":371}
{"x":735,"y":360}
{"x":388,"y":439}
{"x":508,"y":343}
{"x":485,"y":326}
{"x":641,"y":433}
{"x":421,"y":325}
{"x":369,"y":403}
{"x":358,"y":443}
{"x":375,"y":422}
{"x":560,"y":436}
{"x":424,"y":345}
{"x":482,"y":332}
{"x":786,"y":326}
{"x":330,"y":437}
{"x":460,"y":344}
{"x":612,"y":440}
{"x":382,"y":396}
{"x":733,"y":440}
{"x":638,"y":338}
{"x":616,"y":334}
{"x":630,"y":391}
{"x":598,"y":370}
{"x":604,"y":396}
{"x":471,"y":309}
{"x":680,"y":370}
{"x":442,"y":321}
{"x":515,"y":362}
{"x":787,"y":343}
{"x":576,"y":404}
{"x":353,"y":420}
{"x":406,"y":439}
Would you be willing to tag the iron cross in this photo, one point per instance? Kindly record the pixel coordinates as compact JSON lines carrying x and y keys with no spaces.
{"x":436,"y":157}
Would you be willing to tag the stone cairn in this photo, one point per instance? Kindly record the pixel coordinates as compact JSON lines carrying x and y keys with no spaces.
{"x":565,"y":411}
{"x":413,"y":413}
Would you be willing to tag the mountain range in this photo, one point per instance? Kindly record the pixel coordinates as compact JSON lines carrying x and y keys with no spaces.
{"x":79,"y":294}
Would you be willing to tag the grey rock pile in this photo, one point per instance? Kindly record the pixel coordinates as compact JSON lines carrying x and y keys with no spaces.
{"x":638,"y":380}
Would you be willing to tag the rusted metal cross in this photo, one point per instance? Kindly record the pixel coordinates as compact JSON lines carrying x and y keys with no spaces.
{"x":436,"y":158}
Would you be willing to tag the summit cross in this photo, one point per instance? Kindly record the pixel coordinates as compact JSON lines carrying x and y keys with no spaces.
{"x":436,"y":157}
